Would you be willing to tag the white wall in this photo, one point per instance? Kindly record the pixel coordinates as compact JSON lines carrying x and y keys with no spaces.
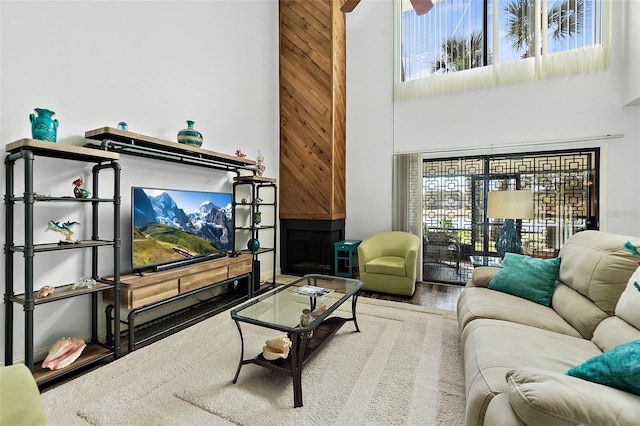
{"x":564,"y":108}
{"x":151,"y":64}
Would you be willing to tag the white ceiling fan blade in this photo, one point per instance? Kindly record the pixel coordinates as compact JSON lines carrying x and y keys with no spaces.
{"x":421,"y":6}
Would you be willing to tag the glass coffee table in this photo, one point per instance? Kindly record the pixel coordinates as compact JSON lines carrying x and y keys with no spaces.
{"x":281,"y":309}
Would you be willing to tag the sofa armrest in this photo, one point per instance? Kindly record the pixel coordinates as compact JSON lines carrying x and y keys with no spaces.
{"x":481,"y":276}
{"x":544,"y":397}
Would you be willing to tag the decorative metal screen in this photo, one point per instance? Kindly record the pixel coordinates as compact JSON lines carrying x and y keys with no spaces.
{"x":455,"y":226}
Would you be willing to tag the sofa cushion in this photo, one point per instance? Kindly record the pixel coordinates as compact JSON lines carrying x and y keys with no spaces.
{"x":596,"y":264}
{"x":545,"y":398}
{"x":619,"y":368}
{"x":613,"y":332}
{"x":480,"y":302}
{"x":628,"y":306}
{"x":577,"y":310}
{"x":491,"y":348}
{"x":387,"y":265}
{"x":527,"y":277}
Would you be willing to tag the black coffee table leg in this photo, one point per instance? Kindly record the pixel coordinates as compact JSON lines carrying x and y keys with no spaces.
{"x":235,"y":379}
{"x":354,"y":301}
{"x":298,"y":345}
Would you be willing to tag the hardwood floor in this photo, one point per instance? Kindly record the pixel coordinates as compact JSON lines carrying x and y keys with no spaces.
{"x":428,"y":294}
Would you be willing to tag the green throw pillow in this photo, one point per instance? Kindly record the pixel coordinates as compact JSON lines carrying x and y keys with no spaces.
{"x":527,"y":277}
{"x":618,"y":368}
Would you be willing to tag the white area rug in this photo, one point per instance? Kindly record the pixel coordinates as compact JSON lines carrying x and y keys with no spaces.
{"x":404,"y":367}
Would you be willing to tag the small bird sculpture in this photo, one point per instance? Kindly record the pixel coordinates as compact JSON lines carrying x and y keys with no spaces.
{"x":80,"y":192}
{"x":64,"y":229}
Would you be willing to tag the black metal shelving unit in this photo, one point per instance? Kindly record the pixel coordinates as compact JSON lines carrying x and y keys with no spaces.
{"x":27,"y":150}
{"x":259,"y":187}
{"x":114,"y":140}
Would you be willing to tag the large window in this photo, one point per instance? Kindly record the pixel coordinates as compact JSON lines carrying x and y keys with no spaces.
{"x":504,"y":41}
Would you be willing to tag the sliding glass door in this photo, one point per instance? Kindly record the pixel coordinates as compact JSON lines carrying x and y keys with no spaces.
{"x":455,"y":224}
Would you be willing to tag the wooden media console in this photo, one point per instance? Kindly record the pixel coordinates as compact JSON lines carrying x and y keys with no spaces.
{"x":227,"y":279}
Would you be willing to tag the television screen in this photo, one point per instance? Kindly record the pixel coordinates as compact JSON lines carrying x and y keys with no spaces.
{"x":175,"y":225}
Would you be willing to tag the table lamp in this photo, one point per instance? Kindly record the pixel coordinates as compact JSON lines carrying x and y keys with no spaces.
{"x":509,"y":205}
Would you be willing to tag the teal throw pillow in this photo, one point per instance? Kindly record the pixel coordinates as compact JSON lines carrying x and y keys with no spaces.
{"x":527,"y":277}
{"x":618,"y":368}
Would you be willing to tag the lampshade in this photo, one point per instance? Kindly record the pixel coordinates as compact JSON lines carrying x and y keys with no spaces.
{"x":510,"y":204}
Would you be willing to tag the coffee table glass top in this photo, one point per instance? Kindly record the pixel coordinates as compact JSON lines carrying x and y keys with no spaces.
{"x":281,"y":307}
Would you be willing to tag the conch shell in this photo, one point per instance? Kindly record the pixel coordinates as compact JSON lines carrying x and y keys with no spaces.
{"x":63,"y":353}
{"x":275,"y":348}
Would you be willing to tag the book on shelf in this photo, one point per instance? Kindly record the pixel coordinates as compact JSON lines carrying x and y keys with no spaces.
{"x":313,"y":291}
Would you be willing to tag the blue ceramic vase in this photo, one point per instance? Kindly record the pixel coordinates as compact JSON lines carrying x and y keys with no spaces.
{"x":43,"y":126}
{"x":190,"y":136}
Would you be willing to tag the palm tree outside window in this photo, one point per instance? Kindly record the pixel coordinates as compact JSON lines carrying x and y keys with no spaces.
{"x":465,"y":35}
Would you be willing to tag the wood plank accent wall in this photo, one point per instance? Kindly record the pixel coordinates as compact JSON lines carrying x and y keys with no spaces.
{"x":312,"y":110}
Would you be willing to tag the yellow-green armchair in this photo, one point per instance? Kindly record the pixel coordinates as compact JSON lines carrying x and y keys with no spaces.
{"x":387,"y":262}
{"x":20,"y":402}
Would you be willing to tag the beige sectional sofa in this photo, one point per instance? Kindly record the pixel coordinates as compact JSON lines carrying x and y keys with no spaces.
{"x":516,"y":352}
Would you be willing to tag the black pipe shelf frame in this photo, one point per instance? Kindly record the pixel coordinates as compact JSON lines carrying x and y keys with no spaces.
{"x":257,"y":186}
{"x":96,"y":351}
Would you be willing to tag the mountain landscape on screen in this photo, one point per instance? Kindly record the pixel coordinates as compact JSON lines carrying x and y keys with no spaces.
{"x":171,"y":225}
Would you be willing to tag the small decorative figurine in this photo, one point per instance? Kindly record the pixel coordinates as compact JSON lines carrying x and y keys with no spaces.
{"x":79,"y":192}
{"x":260,"y":164}
{"x":257,"y":218}
{"x":240,"y":154}
{"x":257,"y":200}
{"x":64,"y":229}
{"x":123,"y":126}
{"x":243,"y":201}
{"x":305,"y":320}
{"x":87,"y":282}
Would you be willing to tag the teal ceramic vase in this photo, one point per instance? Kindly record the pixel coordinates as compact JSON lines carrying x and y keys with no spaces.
{"x":43,"y":126}
{"x":190,"y":136}
{"x":253,"y":245}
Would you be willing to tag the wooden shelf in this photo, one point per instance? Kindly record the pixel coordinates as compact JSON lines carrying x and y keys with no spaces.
{"x":126,"y":142}
{"x":256,"y":179}
{"x":91,"y":354}
{"x":59,"y":150}
{"x":71,"y":246}
{"x":62,"y":292}
{"x":321,"y":335}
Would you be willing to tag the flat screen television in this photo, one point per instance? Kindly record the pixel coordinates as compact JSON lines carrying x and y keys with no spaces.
{"x":171,"y":227}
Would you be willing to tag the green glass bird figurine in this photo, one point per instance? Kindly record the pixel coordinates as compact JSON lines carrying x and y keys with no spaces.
{"x":64,"y":229}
